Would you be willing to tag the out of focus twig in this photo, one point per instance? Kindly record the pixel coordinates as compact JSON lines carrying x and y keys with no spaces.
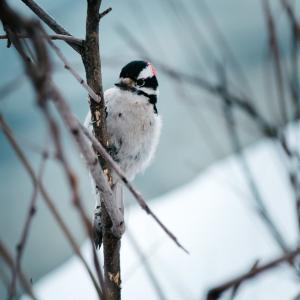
{"x":73,"y":183}
{"x":62,"y":37}
{"x":275,"y":52}
{"x":243,"y":104}
{"x":49,"y":202}
{"x":236,"y":146}
{"x":68,"y":67}
{"x":47,"y":19}
{"x":216,"y":292}
{"x":147,"y":266}
{"x":22,"y":243}
{"x":7,"y":257}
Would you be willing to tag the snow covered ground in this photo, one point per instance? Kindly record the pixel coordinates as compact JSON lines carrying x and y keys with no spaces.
{"x":214,"y":217}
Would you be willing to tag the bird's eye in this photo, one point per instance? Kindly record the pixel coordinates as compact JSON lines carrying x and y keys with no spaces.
{"x":140,"y":82}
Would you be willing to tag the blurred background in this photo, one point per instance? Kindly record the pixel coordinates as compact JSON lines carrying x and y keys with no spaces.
{"x":229,"y":147}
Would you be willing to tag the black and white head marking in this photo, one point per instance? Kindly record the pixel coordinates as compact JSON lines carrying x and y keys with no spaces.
{"x":139,"y":77}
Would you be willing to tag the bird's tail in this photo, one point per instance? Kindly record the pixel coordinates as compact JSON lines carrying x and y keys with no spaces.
{"x":117,"y":190}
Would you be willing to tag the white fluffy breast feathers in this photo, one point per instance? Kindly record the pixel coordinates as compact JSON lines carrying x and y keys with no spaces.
{"x":133,"y":127}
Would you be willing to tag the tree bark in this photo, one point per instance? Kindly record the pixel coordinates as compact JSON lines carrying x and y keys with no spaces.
{"x":92,"y":63}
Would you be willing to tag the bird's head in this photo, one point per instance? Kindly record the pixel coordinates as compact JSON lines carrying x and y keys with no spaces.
{"x":139,"y":77}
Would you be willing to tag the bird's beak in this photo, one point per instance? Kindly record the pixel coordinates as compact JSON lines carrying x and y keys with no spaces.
{"x":125,"y":83}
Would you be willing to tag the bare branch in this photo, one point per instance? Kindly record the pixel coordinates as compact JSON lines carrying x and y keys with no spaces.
{"x":91,"y":161}
{"x":216,"y":292}
{"x":47,"y":19}
{"x":236,"y":146}
{"x":275,"y":52}
{"x":92,"y":64}
{"x":4,"y":253}
{"x":25,"y":233}
{"x":148,"y":269}
{"x":105,"y":12}
{"x":62,"y":37}
{"x":10,"y":86}
{"x":68,"y":67}
{"x":243,"y":104}
{"x":73,"y":182}
{"x":50,"y":203}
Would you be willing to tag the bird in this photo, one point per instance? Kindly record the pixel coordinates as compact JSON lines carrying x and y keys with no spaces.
{"x":133,"y":127}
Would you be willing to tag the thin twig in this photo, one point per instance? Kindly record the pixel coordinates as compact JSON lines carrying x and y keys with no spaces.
{"x":62,"y":37}
{"x":7,"y":257}
{"x":92,"y":162}
{"x":105,"y":12}
{"x":73,"y":183}
{"x":10,"y":86}
{"x":68,"y":67}
{"x":47,"y":19}
{"x":147,"y":266}
{"x":236,"y":146}
{"x":243,"y":104}
{"x":275,"y":52}
{"x":22,"y":243}
{"x":293,"y":172}
{"x":216,"y":292}
{"x":49,"y":202}
{"x":222,"y":43}
{"x":294,"y":57}
{"x":5,"y":279}
{"x":237,"y":286}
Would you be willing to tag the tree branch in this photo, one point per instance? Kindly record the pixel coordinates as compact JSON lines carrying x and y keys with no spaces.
{"x":49,"y":202}
{"x":241,"y":103}
{"x":47,"y":19}
{"x":104,"y":13}
{"x":91,"y":160}
{"x":92,"y":64}
{"x":68,"y":67}
{"x":216,"y":292}
{"x":137,"y":195}
{"x":73,"y":183}
{"x":62,"y":37}
{"x":25,"y":233}
{"x":4,"y":253}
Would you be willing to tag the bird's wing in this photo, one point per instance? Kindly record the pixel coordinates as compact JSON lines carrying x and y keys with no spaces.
{"x":117,"y":187}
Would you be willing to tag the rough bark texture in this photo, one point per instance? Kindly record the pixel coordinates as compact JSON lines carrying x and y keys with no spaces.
{"x":92,"y":63}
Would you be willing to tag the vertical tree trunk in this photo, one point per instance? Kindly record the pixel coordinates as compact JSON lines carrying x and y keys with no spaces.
{"x":92,"y":63}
